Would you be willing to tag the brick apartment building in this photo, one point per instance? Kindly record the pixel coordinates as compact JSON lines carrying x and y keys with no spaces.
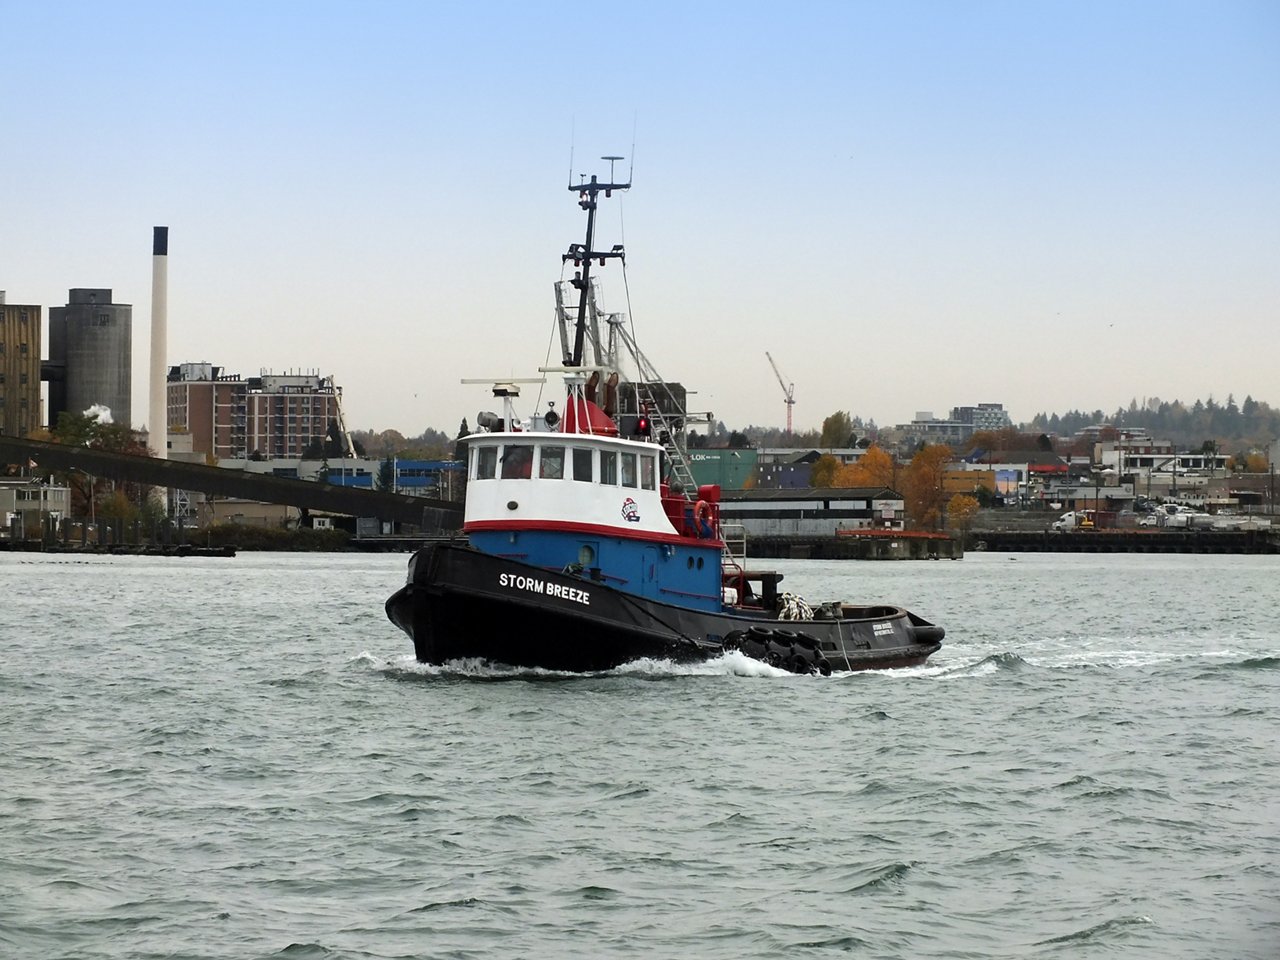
{"x":269,"y":416}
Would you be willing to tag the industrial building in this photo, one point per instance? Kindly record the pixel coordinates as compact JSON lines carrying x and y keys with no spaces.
{"x":270,"y":416}
{"x":90,"y":355}
{"x":19,"y":368}
{"x":27,"y":504}
{"x":813,"y":512}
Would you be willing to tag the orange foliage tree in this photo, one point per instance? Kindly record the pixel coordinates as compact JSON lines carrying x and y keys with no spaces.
{"x":961,"y":510}
{"x":874,"y":468}
{"x":922,"y":486}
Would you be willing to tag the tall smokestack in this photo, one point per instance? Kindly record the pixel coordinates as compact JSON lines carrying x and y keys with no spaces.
{"x":158,"y":413}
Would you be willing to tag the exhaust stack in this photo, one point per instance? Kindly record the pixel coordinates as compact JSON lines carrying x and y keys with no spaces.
{"x":158,"y":412}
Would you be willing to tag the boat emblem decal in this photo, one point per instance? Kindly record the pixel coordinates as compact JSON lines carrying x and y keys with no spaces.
{"x":630,"y":512}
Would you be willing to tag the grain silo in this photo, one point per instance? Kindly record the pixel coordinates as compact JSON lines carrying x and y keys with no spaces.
{"x":91,"y":340}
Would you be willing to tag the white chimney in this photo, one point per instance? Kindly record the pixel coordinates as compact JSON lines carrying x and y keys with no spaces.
{"x":158,"y":413}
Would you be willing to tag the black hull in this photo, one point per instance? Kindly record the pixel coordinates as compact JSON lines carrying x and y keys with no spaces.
{"x":460,"y":603}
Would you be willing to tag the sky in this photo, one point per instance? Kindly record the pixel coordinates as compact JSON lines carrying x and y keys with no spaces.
{"x":912,"y":206}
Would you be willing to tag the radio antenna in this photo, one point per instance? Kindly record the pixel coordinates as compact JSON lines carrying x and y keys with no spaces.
{"x":572,"y":136}
{"x":632,"y":169}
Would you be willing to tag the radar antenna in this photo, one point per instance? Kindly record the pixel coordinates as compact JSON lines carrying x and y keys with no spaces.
{"x":582,"y":254}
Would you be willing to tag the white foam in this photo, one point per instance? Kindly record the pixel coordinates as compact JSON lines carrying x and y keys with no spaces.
{"x":735,"y":664}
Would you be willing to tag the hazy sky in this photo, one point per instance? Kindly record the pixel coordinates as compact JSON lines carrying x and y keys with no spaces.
{"x":912,"y":206}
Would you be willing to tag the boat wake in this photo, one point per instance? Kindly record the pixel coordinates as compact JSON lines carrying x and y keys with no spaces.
{"x":734,"y":664}
{"x":1075,"y":654}
{"x":737,"y":664}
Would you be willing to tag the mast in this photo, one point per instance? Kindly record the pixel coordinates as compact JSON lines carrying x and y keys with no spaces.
{"x":582,"y":253}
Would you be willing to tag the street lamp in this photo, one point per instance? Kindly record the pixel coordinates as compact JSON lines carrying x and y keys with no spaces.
{"x":89,"y":495}
{"x":1097,"y":494}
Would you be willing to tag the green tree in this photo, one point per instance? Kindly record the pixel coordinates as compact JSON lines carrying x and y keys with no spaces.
{"x":824,"y":471}
{"x":84,"y":430}
{"x":386,"y":478}
{"x":836,"y":429}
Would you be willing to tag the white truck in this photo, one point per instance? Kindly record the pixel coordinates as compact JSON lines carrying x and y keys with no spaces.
{"x":1072,"y":520}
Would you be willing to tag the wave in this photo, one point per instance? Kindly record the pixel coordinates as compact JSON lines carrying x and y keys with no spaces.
{"x":1253,"y":663}
{"x":446,"y":904}
{"x":1109,"y":929}
{"x":989,"y":665}
{"x":843,"y":943}
{"x":888,"y":876}
{"x":306,"y":951}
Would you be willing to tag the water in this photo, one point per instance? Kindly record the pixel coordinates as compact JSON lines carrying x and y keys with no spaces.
{"x":238,"y":758}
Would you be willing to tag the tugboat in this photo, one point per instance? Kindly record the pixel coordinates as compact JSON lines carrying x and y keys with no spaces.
{"x":588,"y":544}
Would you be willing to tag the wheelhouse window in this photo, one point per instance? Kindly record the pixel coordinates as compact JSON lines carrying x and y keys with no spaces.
{"x":486,"y":463}
{"x":608,"y":467}
{"x":648,"y":473}
{"x":551,"y":463}
{"x":628,"y":469}
{"x":517,"y":461}
{"x":582,"y":464}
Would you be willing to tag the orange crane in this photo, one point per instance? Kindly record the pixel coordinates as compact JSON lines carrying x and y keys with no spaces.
{"x":788,"y":390}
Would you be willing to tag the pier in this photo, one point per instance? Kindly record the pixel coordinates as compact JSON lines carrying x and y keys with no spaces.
{"x":858,"y":545}
{"x":1128,"y":541}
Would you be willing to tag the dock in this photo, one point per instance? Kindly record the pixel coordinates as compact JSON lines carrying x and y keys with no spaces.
{"x":1128,"y":541}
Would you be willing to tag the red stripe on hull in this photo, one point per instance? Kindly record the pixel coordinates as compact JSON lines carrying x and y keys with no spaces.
{"x":595,"y":529}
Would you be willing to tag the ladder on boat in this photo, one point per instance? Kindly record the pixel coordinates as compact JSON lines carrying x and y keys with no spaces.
{"x":665,"y":432}
{"x":655,"y":399}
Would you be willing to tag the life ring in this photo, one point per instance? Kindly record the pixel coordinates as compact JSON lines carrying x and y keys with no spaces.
{"x":702,"y":518}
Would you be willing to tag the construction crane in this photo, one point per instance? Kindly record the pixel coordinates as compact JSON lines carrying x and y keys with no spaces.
{"x":788,"y":391}
{"x":348,"y":446}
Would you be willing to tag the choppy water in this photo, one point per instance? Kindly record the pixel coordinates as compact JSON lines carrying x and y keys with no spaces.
{"x":238,"y":758}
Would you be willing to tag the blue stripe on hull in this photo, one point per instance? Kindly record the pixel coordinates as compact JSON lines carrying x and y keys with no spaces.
{"x":685,"y":575}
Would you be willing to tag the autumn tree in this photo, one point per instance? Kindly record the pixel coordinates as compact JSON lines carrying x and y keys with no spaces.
{"x":923,"y":487}
{"x":875,"y":468}
{"x":824,"y":471}
{"x":961,"y":510}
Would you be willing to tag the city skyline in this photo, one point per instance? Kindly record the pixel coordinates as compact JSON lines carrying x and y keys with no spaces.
{"x":911,"y":208}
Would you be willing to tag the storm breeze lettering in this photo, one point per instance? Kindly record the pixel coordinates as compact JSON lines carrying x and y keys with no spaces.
{"x":534,"y":585}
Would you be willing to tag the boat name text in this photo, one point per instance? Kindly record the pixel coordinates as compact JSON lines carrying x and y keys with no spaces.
{"x":534,"y":585}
